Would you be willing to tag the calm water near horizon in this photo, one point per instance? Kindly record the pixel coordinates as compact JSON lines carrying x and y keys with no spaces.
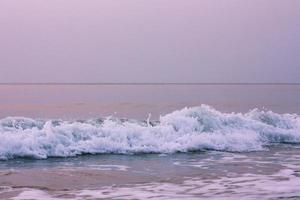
{"x":58,"y":143}
{"x":137,"y":101}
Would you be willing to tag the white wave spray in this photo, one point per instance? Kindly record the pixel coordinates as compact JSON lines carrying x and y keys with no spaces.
{"x":189,"y":129}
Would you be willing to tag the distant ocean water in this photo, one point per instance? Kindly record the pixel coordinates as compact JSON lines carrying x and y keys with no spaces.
{"x":137,"y":101}
{"x":149,"y":141}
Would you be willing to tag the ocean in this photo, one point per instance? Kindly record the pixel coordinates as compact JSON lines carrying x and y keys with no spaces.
{"x":162,"y":141}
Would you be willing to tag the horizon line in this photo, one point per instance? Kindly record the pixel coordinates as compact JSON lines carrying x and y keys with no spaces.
{"x":149,"y":83}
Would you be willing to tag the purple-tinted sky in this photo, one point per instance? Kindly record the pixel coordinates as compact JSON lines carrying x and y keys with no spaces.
{"x":150,"y":41}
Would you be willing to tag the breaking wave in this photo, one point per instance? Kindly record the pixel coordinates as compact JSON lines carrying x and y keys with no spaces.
{"x":189,"y":129}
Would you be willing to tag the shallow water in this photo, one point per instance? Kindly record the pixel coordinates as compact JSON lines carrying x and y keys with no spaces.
{"x":272,"y":174}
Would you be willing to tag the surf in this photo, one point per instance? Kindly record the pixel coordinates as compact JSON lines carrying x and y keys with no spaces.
{"x":200,"y":128}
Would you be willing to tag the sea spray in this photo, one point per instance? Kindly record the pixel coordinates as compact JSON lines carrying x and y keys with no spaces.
{"x":190,"y":129}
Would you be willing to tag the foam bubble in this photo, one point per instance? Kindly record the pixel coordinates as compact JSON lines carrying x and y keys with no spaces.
{"x":189,"y":129}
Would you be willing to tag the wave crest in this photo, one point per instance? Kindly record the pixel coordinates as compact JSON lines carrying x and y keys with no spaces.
{"x":189,"y":129}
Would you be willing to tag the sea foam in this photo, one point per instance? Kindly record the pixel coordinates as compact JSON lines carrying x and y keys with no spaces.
{"x":189,"y":129}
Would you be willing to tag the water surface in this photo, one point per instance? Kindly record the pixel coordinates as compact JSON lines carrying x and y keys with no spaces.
{"x":99,"y":142}
{"x":137,"y":101}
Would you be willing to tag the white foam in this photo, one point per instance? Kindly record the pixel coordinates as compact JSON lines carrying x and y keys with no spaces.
{"x":34,"y":194}
{"x":246,"y":186}
{"x":189,"y":129}
{"x":283,"y":184}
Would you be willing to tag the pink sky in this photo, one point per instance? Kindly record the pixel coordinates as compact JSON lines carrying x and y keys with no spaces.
{"x":150,"y":41}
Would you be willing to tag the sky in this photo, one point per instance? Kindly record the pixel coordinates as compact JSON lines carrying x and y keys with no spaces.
{"x":150,"y":41}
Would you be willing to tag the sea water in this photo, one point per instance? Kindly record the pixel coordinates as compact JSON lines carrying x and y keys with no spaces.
{"x":149,"y":141}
